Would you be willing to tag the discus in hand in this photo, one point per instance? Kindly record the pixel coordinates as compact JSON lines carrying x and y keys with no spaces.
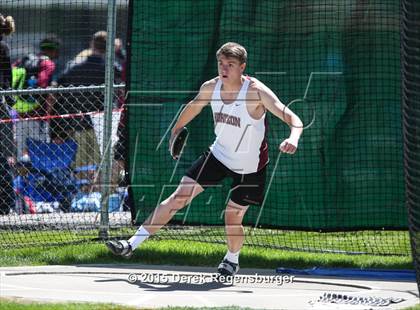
{"x":178,"y":142}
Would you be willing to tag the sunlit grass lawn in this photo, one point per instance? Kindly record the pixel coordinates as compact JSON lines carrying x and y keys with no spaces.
{"x":189,"y":253}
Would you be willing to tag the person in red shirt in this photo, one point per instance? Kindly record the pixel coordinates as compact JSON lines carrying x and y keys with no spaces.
{"x":49,"y":52}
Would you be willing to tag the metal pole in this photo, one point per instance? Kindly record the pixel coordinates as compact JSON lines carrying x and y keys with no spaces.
{"x":107,"y":129}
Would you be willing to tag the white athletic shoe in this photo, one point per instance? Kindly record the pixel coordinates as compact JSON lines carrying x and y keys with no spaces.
{"x":120,"y":247}
{"x":227,"y":268}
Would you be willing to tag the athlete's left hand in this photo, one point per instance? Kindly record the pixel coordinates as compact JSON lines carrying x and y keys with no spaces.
{"x":289,"y":146}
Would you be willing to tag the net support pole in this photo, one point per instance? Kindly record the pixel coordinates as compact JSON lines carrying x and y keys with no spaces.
{"x":411,"y":121}
{"x":107,"y":124}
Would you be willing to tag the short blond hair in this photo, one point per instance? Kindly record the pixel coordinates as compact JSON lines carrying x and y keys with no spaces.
{"x":7,"y":25}
{"x":233,"y":50}
{"x":99,"y":41}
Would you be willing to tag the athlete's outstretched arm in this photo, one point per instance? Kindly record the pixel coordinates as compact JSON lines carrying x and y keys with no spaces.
{"x":275,"y":106}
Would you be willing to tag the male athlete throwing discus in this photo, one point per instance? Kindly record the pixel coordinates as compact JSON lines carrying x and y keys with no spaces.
{"x":240,"y":152}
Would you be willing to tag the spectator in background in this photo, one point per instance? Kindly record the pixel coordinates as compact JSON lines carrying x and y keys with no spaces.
{"x":119,"y":63}
{"x":34,"y":71}
{"x":118,"y":166}
{"x":7,"y":196}
{"x":85,"y":71}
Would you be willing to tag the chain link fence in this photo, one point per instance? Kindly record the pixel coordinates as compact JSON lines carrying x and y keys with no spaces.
{"x":52,"y":162}
{"x":54,"y":181}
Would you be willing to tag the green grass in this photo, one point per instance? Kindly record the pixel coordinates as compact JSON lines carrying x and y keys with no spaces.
{"x":8,"y":304}
{"x":189,"y":253}
{"x":370,"y":242}
{"x":416,"y":307}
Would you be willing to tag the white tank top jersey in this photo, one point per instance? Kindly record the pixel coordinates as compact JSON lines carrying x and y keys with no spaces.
{"x":240,"y":142}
